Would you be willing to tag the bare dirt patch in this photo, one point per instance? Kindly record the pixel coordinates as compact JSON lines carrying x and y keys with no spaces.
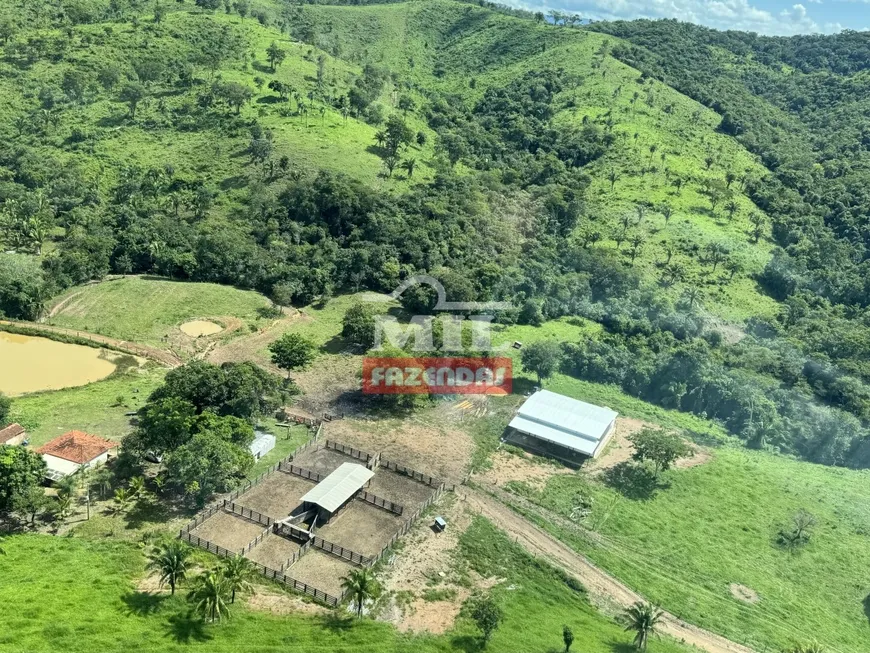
{"x":322,"y":460}
{"x":200,"y":328}
{"x":743,"y":593}
{"x":400,"y":489}
{"x":362,"y":527}
{"x":274,"y":551}
{"x":321,"y":570}
{"x":619,"y":449}
{"x":507,"y":467}
{"x":253,"y":347}
{"x":276,"y":495}
{"x":439,"y":451}
{"x":331,"y":382}
{"x":227,"y":530}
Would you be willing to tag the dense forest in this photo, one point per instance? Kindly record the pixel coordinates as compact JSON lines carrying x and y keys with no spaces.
{"x":486,"y":184}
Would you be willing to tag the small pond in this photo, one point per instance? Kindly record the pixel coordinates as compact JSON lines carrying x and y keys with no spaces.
{"x":31,"y":364}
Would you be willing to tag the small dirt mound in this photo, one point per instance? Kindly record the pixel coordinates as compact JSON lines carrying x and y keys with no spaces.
{"x":743,"y":593}
{"x":198,"y":328}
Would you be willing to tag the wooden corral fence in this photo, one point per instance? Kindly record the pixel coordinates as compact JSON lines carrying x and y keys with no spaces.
{"x":320,"y":595}
{"x":247,"y":513}
{"x":298,"y":419}
{"x":408,"y":524}
{"x":375,"y":500}
{"x":292,"y":560}
{"x":340,"y":551}
{"x":262,"y":536}
{"x":289,"y":468}
{"x":407,"y":471}
{"x":201,"y":517}
{"x":211,"y":547}
{"x":348,"y":451}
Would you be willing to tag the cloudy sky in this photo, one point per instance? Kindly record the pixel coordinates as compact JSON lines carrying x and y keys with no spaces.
{"x":763,"y":16}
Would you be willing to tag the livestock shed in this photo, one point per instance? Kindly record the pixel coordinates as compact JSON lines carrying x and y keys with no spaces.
{"x":72,"y":451}
{"x":336,"y":490}
{"x":13,"y":434}
{"x":562,"y":427}
{"x":263,"y":443}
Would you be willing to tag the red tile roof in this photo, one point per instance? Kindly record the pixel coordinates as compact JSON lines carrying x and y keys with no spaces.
{"x":11,"y":431}
{"x":77,"y":447}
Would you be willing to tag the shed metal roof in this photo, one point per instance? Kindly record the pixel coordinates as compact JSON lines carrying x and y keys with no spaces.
{"x":331,"y":493}
{"x":564,"y":421}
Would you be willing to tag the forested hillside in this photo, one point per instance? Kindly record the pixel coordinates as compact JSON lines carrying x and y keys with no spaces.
{"x":702,"y":201}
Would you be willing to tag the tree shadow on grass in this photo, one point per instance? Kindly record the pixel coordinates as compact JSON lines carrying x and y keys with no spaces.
{"x":186,"y":627}
{"x":622,"y":647}
{"x":143,"y":603}
{"x":867,"y":607}
{"x":467,"y":643}
{"x":336,"y":622}
{"x":633,"y":481}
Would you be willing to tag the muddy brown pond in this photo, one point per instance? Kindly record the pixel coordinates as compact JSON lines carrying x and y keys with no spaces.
{"x":31,"y":364}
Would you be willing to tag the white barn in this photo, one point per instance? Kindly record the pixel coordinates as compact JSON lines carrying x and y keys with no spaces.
{"x":563,"y":427}
{"x":263,"y":443}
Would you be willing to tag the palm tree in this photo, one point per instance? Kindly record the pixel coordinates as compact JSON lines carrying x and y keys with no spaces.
{"x":238,"y":572}
{"x":210,"y":593}
{"x":667,"y":211}
{"x":732,"y":208}
{"x":361,"y":585}
{"x":612,"y":177}
{"x":408,"y":165}
{"x":137,"y":487}
{"x":122,"y":499}
{"x":102,"y":478}
{"x":643,"y":618}
{"x":170,"y":561}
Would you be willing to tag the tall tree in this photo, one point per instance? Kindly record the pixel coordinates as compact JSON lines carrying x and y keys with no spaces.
{"x":170,"y":561}
{"x":275,"y":55}
{"x":238,"y":572}
{"x":643,"y":619}
{"x":542,"y":357}
{"x":210,"y":592}
{"x":659,"y":447}
{"x":487,"y":615}
{"x":362,"y":586}
{"x":292,"y":351}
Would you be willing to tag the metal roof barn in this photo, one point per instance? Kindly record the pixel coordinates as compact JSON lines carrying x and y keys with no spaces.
{"x":263,"y":443}
{"x":566,"y":422}
{"x":333,"y":491}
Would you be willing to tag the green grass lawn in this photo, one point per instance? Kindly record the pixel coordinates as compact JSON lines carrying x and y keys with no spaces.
{"x":715,"y":525}
{"x":287,"y":440}
{"x":94,"y":408}
{"x":78,"y":595}
{"x":145,"y":309}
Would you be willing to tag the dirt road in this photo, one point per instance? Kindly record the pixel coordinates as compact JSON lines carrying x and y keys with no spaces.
{"x":603,"y":588}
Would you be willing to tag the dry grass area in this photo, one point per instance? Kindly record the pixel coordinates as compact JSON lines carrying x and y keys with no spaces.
{"x":427,"y":561}
{"x":743,"y":593}
{"x":254,"y":346}
{"x":507,"y":467}
{"x":619,"y":449}
{"x":276,"y":495}
{"x":227,"y":530}
{"x":440,"y":451}
{"x":331,"y":382}
{"x":273,"y":551}
{"x":361,"y":527}
{"x":267,"y":600}
{"x":321,"y":570}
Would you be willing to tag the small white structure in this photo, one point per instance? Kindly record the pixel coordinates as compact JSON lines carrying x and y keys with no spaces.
{"x":73,"y":451}
{"x":569,"y":426}
{"x":263,"y":443}
{"x":336,"y":490}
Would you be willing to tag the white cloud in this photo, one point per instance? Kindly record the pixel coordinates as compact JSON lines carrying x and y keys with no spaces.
{"x":720,"y":14}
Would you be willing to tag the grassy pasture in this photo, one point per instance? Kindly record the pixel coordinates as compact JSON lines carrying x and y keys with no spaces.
{"x":144,"y":310}
{"x":80,"y":595}
{"x":93,"y":408}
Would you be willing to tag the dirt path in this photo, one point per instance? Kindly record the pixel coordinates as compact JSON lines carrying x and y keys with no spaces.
{"x":160,"y":355}
{"x":602,"y":587}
